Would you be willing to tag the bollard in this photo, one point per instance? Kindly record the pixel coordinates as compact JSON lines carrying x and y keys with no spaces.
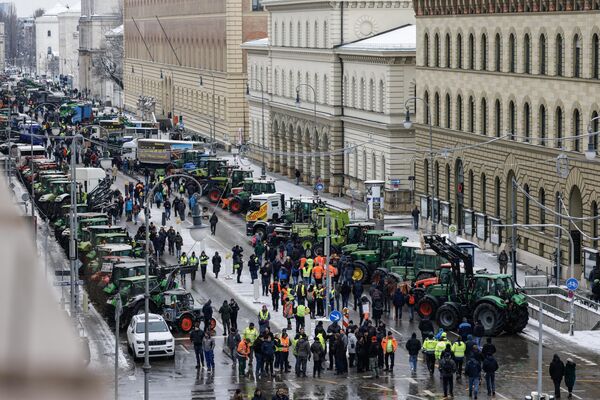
{"x":84,"y":303}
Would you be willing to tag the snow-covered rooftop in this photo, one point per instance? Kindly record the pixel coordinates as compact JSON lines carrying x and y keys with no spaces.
{"x":264,"y":42}
{"x":118,"y":31}
{"x":403,"y":38}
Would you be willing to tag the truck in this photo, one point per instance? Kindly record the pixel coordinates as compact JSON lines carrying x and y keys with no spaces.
{"x":75,"y":113}
{"x":157,"y":153}
{"x":262,"y":210}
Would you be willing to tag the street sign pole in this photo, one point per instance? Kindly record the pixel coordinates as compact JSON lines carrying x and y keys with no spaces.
{"x":327,"y":272}
{"x":572,"y":286}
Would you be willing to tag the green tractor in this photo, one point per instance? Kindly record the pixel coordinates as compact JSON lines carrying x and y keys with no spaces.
{"x":373,"y":265}
{"x":356,"y":236}
{"x":312,"y":234}
{"x":239,"y":199}
{"x":208,"y":167}
{"x":492,"y":299}
{"x":370,"y":241}
{"x":220,"y":185}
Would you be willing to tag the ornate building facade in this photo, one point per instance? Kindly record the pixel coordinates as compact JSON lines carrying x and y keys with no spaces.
{"x":511,"y":88}
{"x":351,"y":66}
{"x":190,"y":60}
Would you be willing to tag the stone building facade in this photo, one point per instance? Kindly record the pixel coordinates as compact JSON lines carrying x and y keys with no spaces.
{"x":511,"y":89}
{"x":340,"y":59}
{"x":203,"y":77}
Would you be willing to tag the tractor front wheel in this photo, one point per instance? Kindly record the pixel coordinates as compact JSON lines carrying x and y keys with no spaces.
{"x":360,"y":272}
{"x":492,"y":318}
{"x":214,"y":195}
{"x":235,"y":205}
{"x":426,"y":307}
{"x":186,"y":323}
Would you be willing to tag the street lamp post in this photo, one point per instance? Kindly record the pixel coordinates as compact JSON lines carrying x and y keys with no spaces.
{"x":308,"y":85}
{"x":214,"y":124}
{"x":263,"y":170}
{"x":432,"y":183}
{"x":172,"y":102}
{"x":147,"y":201}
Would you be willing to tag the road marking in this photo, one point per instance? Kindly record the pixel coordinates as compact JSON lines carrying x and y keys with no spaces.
{"x":325,"y":380}
{"x":294,"y":385}
{"x":396,"y":332}
{"x":428,"y":393}
{"x":184,"y":349}
{"x":383,"y":387}
{"x":415,"y":396}
{"x":501,"y":395}
{"x":588,"y":362}
{"x":566,"y":391}
{"x":411,"y":380}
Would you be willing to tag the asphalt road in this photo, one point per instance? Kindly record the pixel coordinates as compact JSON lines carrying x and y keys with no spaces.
{"x":178,"y":379}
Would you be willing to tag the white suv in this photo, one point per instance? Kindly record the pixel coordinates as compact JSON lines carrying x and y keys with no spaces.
{"x":161,"y":340}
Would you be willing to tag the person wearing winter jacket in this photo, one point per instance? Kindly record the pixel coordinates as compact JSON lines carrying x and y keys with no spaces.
{"x":426,"y":328}
{"x":303,"y":353}
{"x":570,"y":371}
{"x":398,"y":301}
{"x":557,"y":372}
{"x":488,"y":348}
{"x":216,"y":264}
{"x":208,"y":344}
{"x":490,"y":366}
{"x":413,"y":346}
{"x":473,"y":372}
{"x":268,"y":353}
{"x":318,"y":354}
{"x":352,"y":341}
{"x":447,"y":368}
{"x":465,"y":329}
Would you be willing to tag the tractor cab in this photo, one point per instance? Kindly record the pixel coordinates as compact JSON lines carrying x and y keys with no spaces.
{"x":356,"y":235}
{"x":380,"y":259}
{"x":179,"y":310}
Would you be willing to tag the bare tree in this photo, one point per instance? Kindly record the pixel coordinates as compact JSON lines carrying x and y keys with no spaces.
{"x":108,"y":62}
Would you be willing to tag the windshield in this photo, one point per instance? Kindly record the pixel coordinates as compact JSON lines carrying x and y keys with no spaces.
{"x":354,"y":235}
{"x":389,"y":248}
{"x":372,"y":241}
{"x":254,"y":205}
{"x":153,"y":326}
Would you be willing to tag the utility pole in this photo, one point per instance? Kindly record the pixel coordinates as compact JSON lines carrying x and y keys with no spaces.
{"x":514,"y":229}
{"x":117,"y":323}
{"x":73,"y":230}
{"x":327,"y":272}
{"x":540,"y":348}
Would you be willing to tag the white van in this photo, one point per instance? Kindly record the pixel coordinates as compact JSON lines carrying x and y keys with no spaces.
{"x":23,"y":152}
{"x":89,"y":178}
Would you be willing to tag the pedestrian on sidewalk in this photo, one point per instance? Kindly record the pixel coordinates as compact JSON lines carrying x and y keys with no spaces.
{"x":128,"y":209}
{"x":207,"y":313}
{"x":413,"y":346}
{"x":264,"y":316}
{"x":415,"y":216}
{"x":268,"y":351}
{"x":167,"y":207}
{"x":297,"y":174}
{"x":373,"y":351}
{"x":176,"y":202}
{"x":193,"y":263}
{"x":178,"y":245}
{"x":243,"y":353}
{"x":557,"y":372}
{"x":233,"y":339}
{"x":238,"y":266}
{"x":216,"y":264}
{"x":258,"y":355}
{"x":114,"y":173}
{"x":447,"y":369}
{"x":196,"y":337}
{"x":503,"y":261}
{"x":357,"y":291}
{"x":265,"y":278}
{"x":250,"y":333}
{"x":203,"y":266}
{"x":570,"y":372}
{"x":213,"y":223}
{"x":209,"y":351}
{"x":225,"y":312}
{"x":158,"y":198}
{"x":235,"y":308}
{"x":303,"y":355}
{"x":398,"y":301}
{"x":181,"y":210}
{"x":318,"y":356}
{"x":253,"y":268}
{"x":473,"y":372}
{"x":490,"y":366}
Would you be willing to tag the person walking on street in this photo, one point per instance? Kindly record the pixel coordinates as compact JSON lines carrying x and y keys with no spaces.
{"x":209,"y":351}
{"x":297,"y":175}
{"x":490,"y":366}
{"x":478,"y":333}
{"x":447,"y":370}
{"x":570,"y":372}
{"x":193,"y":263}
{"x":225,"y":312}
{"x":426,"y":328}
{"x":389,"y":346}
{"x":503,"y":261}
{"x":216,"y":264}
{"x":197,"y":337}
{"x":488,"y":348}
{"x":318,"y":356}
{"x":303,"y":354}
{"x":250,"y":333}
{"x":413,"y":346}
{"x":268,"y":351}
{"x":473,"y":372}
{"x":557,"y":372}
{"x":178,"y":245}
{"x":243,"y":352}
{"x":213,"y":223}
{"x":464,"y":329}
{"x":264,"y":316}
{"x":203,"y":266}
{"x":233,"y":339}
{"x":458,"y":349}
{"x":171,"y":240}
{"x":233,"y":305}
{"x":373,"y":351}
{"x":207,"y":313}
{"x":415,"y":216}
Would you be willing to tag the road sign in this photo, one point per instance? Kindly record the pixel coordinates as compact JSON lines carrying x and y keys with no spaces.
{"x":335,"y":316}
{"x":319,"y":187}
{"x":572,"y":284}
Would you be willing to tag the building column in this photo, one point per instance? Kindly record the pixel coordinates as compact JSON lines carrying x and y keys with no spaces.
{"x":291,"y":162}
{"x":306,"y":162}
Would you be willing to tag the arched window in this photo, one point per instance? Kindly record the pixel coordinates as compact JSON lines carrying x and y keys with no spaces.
{"x":436,"y":50}
{"x":459,"y":54}
{"x":447,"y":182}
{"x":307,"y":36}
{"x":512,"y":53}
{"x":448,"y":111}
{"x":595,"y":128}
{"x":497,"y":196}
{"x":559,"y":127}
{"x":527,"y":54}
{"x":483,"y":116}
{"x":426,"y":109}
{"x":497,"y":53}
{"x":595,"y":56}
{"x":316,"y":35}
{"x":559,"y":53}
{"x":459,"y":113}
{"x":471,"y":52}
{"x":325,"y":34}
{"x":371,"y":96}
{"x":361,"y":95}
{"x":512,"y":120}
{"x":484,"y":52}
{"x":325,"y":90}
{"x":577,"y":56}
{"x":426,"y":49}
{"x":448,"y":51}
{"x":471,"y":114}
{"x":483,"y":193}
{"x":498,"y":118}
{"x":527,"y":122}
{"x":576,"y":130}
{"x":436,"y":109}
{"x":526,"y":204}
{"x":542,"y":125}
{"x":381,"y":96}
{"x":595,"y":223}
{"x":471,"y":190}
{"x":542,"y":55}
{"x":542,"y":201}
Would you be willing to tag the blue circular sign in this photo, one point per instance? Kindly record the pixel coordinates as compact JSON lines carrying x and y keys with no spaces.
{"x":335,"y":316}
{"x":572,"y":284}
{"x":319,"y":186}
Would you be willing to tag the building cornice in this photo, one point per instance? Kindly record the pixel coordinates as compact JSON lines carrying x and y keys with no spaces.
{"x":379,"y":57}
{"x":425,"y":8}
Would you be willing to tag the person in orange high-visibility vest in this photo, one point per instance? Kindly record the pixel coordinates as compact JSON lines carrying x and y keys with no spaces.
{"x":389,"y":346}
{"x":332,"y":271}
{"x":288,"y":311}
{"x":320,"y":260}
{"x":243,"y":350}
{"x":285,"y":348}
{"x":317,"y":273}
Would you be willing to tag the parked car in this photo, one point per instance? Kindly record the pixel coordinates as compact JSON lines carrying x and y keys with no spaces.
{"x":161,"y":341}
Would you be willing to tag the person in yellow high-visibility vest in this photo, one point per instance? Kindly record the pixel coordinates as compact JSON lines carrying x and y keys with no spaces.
{"x":429,"y":346}
{"x":307,"y":270}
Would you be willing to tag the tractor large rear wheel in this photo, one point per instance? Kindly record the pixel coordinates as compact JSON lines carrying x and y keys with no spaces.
{"x":360,"y":272}
{"x":426,"y":307}
{"x":492,"y":318}
{"x":235,"y":205}
{"x":447,"y":317}
{"x":214,"y":195}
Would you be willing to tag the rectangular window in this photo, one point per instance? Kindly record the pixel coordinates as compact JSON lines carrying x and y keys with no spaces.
{"x":257,"y":5}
